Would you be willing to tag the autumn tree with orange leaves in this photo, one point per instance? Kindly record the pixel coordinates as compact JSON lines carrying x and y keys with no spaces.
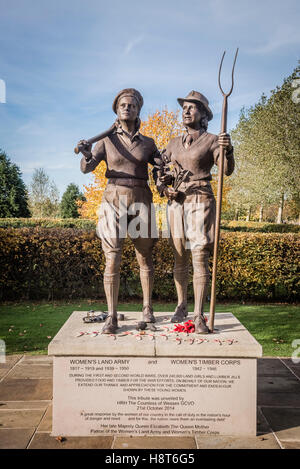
{"x":161,"y":126}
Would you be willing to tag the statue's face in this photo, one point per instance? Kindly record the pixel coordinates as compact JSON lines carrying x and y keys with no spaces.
{"x":191,"y":116}
{"x":127,"y":109}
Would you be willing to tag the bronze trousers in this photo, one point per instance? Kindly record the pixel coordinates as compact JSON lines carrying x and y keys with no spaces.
{"x":127,"y":211}
{"x":191,"y":226}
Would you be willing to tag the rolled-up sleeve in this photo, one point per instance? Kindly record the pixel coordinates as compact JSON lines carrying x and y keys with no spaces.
{"x":228,"y":158}
{"x":98,"y":154}
{"x":165,"y":158}
{"x":157,"y":163}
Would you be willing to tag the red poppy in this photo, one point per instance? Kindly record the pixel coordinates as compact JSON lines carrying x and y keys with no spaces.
{"x":188,"y":327}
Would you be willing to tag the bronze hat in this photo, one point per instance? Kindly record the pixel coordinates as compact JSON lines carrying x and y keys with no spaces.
{"x":196,"y":97}
{"x":128,"y":92}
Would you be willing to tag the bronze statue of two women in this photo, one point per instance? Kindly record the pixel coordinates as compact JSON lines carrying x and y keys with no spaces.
{"x":191,"y":204}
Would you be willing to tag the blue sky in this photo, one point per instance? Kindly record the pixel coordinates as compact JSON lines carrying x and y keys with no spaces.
{"x":64,"y":61}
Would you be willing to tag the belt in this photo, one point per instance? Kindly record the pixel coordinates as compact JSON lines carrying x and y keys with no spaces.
{"x":130,"y":182}
{"x":196,"y":182}
{"x":196,"y":177}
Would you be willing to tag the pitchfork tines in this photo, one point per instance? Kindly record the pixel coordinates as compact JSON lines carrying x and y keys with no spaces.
{"x":232,"y":73}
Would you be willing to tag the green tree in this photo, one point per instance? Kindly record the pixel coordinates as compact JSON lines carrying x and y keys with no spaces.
{"x":68,"y":205}
{"x":267,"y":149}
{"x":43,"y":195}
{"x":13,"y":193}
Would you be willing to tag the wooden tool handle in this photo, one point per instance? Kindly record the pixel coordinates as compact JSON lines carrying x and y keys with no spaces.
{"x":95,"y":139}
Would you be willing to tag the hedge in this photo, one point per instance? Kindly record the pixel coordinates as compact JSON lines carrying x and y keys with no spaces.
{"x":251,"y":226}
{"x":259,"y":227}
{"x":41,"y":263}
{"x":82,"y":223}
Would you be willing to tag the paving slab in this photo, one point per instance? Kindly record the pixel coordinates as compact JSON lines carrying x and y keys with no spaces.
{"x":10,"y":361}
{"x":284,"y":422}
{"x":15,"y":438}
{"x":45,"y":441}
{"x":271,"y":367}
{"x":26,"y":389}
{"x":31,"y":370}
{"x":46,"y":422}
{"x":37,"y":359}
{"x":266,"y":441}
{"x":288,"y":384}
{"x":290,"y":444}
{"x":20,"y":418}
{"x":278,"y":399}
{"x":154,"y":443}
{"x":295,"y":367}
{"x":262,"y":424}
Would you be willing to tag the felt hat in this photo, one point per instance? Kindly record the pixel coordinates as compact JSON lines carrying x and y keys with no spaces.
{"x":128,"y":92}
{"x":198,"y":98}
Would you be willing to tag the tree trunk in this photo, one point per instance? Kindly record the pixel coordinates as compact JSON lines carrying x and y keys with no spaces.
{"x":236,"y":215}
{"x":299,"y":219}
{"x":261,"y":213}
{"x":248,"y":214}
{"x":280,"y":209}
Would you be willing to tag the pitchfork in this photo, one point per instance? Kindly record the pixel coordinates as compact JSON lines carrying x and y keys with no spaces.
{"x":219,"y":194}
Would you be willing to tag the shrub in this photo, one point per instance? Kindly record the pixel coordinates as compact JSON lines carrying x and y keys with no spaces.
{"x":85,"y":223}
{"x":57,"y":263}
{"x":259,"y":227}
{"x":47,"y":223}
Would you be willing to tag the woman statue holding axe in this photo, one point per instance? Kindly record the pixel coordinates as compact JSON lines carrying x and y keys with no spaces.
{"x":127,"y":154}
{"x":191,"y":206}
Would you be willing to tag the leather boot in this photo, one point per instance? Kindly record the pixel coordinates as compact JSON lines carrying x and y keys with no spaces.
{"x":200,"y":325}
{"x":180,"y":313}
{"x":110,"y":326}
{"x":111,"y":287}
{"x":147,"y":314}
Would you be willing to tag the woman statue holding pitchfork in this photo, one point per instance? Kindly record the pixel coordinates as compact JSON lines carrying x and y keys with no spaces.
{"x":191,"y":205}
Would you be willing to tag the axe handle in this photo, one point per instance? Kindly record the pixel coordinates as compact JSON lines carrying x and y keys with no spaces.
{"x":96,"y":138}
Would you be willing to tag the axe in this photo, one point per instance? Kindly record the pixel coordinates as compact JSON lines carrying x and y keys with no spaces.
{"x":95,"y":139}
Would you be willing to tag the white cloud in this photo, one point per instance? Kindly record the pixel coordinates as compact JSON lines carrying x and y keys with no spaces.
{"x":285,"y":35}
{"x":133,"y":43}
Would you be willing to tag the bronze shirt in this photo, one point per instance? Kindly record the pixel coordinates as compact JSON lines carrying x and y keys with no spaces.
{"x":123,"y":160}
{"x":200,"y":156}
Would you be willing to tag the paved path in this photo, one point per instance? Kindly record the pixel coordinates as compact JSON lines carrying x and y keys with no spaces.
{"x":26,"y":405}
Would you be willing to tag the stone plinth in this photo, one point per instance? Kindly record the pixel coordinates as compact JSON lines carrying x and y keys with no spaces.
{"x":154,"y":383}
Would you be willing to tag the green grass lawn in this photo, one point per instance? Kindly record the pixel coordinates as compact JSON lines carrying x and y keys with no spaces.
{"x":28,"y":327}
